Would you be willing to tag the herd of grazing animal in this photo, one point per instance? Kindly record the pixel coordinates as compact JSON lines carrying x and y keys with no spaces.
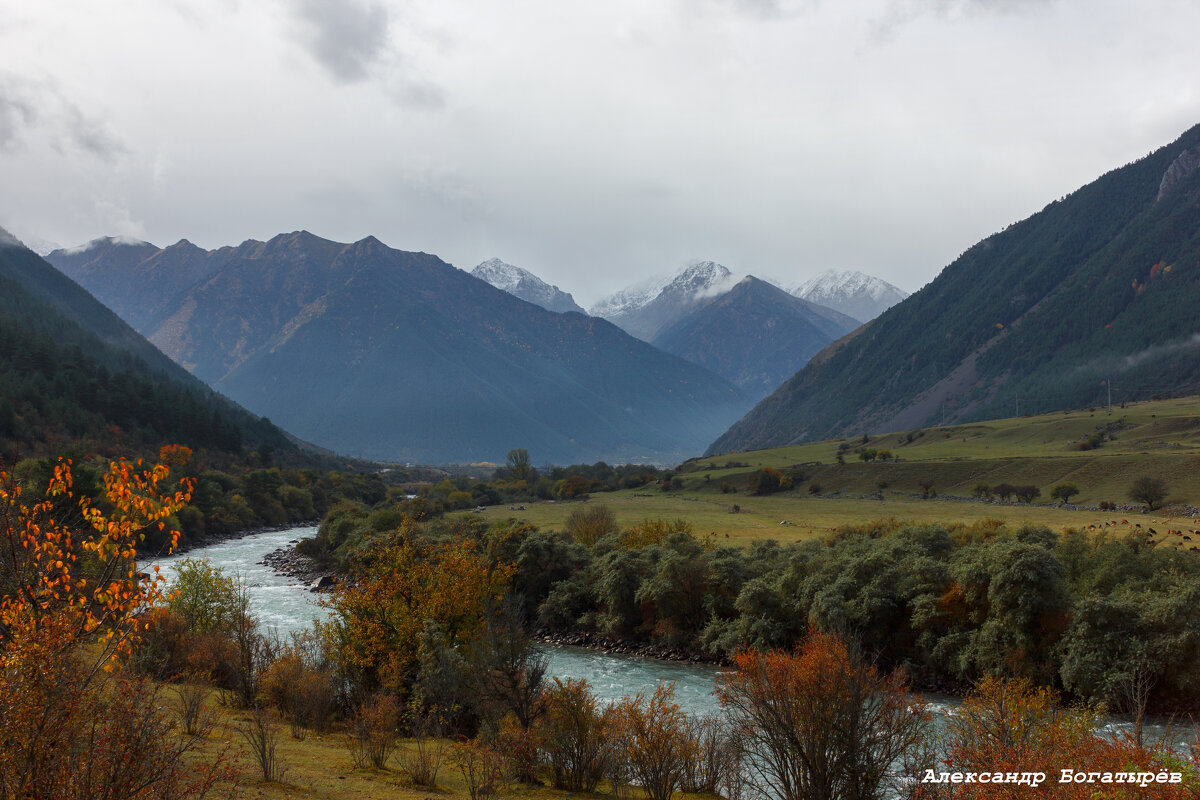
{"x":1183,"y":535}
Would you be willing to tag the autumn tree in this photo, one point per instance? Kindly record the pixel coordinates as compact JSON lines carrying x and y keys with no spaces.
{"x":821,"y":723}
{"x":1010,"y":726}
{"x":72,"y":725}
{"x":403,"y":585}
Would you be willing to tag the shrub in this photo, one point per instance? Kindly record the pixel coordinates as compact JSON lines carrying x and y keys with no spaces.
{"x":982,"y":490}
{"x":483,"y":769}
{"x":422,"y":760}
{"x":823,"y":722}
{"x":261,"y":734}
{"x":374,"y":733}
{"x":575,"y":736}
{"x":590,"y":522}
{"x":653,"y":531}
{"x":163,"y":648}
{"x":653,"y":740}
{"x":1004,"y":490}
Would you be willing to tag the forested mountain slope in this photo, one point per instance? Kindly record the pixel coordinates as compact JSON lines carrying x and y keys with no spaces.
{"x":1100,"y":286}
{"x":73,"y":375}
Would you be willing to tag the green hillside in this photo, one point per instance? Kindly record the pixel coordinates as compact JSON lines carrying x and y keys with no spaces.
{"x":74,"y":377}
{"x":1096,"y":291}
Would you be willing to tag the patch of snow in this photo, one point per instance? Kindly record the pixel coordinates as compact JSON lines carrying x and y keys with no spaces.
{"x":103,"y":240}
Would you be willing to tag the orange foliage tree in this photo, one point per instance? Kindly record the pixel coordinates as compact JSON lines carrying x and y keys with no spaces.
{"x":403,"y":585}
{"x":821,"y":723}
{"x":72,"y":725}
{"x":1007,"y":728}
{"x":653,"y":737}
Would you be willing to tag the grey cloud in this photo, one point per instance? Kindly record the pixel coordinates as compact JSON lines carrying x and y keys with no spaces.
{"x":15,"y":115}
{"x":27,"y":105}
{"x":757,"y":9}
{"x":347,"y":37}
{"x":419,"y":94}
{"x":902,"y":12}
{"x":90,"y":135}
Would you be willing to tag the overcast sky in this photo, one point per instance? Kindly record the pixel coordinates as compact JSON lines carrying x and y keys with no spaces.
{"x":592,"y":143}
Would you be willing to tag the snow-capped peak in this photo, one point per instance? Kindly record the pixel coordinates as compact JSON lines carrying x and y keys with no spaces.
{"x":862,"y":296}
{"x":695,"y":281}
{"x":525,"y":285}
{"x":501,"y":275}
{"x":702,"y":279}
{"x":631,"y":298}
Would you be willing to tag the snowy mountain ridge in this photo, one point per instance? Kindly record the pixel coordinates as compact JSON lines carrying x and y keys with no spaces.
{"x":856,"y":294}
{"x":699,"y":279}
{"x":525,"y":285}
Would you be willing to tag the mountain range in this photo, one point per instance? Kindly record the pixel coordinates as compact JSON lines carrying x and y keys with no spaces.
{"x":396,"y":355}
{"x":1095,"y":294}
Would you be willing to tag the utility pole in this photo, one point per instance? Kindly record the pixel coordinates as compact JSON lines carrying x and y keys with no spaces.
{"x":1109,"y":384}
{"x":1018,"y":407}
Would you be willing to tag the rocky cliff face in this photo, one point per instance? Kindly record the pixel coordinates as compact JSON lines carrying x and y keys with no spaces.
{"x":1181,"y":169}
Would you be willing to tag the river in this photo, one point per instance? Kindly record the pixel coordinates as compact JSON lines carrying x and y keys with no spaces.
{"x":283,"y":606}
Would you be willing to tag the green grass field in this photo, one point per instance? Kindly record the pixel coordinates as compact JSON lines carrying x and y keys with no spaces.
{"x":1158,"y":439}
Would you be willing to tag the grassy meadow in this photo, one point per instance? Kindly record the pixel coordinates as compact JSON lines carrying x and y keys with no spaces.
{"x":1158,"y":439}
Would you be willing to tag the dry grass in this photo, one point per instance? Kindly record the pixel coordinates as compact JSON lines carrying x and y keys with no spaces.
{"x":321,"y":768}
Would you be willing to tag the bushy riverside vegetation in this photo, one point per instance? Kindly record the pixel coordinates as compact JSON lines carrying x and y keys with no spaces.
{"x":1091,"y":614}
